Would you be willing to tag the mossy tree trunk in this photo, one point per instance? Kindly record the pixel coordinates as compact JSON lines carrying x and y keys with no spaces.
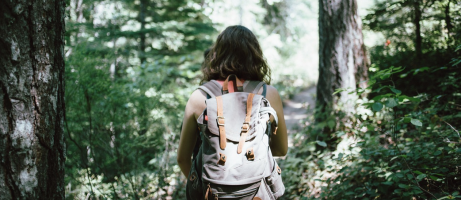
{"x":342,"y":58}
{"x":32,"y":149}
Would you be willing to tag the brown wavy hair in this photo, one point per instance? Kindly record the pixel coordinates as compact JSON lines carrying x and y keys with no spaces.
{"x":236,"y":51}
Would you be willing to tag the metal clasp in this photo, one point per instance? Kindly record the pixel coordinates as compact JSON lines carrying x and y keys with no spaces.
{"x":245,"y":127}
{"x":223,"y":122}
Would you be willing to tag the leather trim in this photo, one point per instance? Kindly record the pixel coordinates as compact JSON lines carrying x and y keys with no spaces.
{"x":208,"y":192}
{"x":245,"y":127}
{"x":250,"y":154}
{"x":249,"y":107}
{"x":243,"y":137}
{"x":225,"y":86}
{"x":222,"y":159}
{"x":221,"y":121}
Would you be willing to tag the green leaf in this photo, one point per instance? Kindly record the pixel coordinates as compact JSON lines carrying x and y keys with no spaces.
{"x":377,"y":106}
{"x":416,"y":100}
{"x":416,"y":122}
{"x":407,"y":119}
{"x":395,"y":157}
{"x":396,"y":91}
{"x":331,"y":124}
{"x":456,"y":62}
{"x":421,"y":176}
{"x":323,"y":144}
{"x":418,"y":172}
{"x":403,"y":186}
{"x":380,"y":88}
{"x":391,"y":103}
{"x":340,"y":156}
{"x":339,"y":90}
{"x":435,"y":178}
{"x":388,"y":183}
{"x":437,"y":153}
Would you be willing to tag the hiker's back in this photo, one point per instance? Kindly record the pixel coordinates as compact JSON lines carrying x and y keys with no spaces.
{"x":235,"y":144}
{"x":234,"y":160}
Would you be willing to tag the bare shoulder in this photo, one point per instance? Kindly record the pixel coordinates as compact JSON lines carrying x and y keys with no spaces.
{"x":273,"y":95}
{"x":272,"y":90}
{"x":197,"y":95}
{"x":196,"y":103}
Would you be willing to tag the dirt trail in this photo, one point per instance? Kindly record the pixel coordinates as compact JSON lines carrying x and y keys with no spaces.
{"x":295,"y":110}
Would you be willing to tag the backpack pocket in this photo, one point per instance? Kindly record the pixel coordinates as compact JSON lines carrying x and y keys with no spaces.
{"x":194,"y":184}
{"x":274,"y":182}
{"x":228,"y":192}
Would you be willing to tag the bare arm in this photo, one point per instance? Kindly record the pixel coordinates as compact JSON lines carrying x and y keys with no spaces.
{"x":194,"y":107}
{"x":279,"y":142}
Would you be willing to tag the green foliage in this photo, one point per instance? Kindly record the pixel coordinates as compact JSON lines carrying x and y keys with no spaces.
{"x":124,"y":103}
{"x":399,"y":146}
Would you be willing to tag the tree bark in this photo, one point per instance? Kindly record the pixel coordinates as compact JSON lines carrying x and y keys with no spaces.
{"x":417,"y":23}
{"x":342,"y":56}
{"x":32,"y":149}
{"x":448,"y":23}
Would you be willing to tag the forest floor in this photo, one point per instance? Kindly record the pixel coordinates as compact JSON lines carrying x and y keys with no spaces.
{"x":297,"y":110}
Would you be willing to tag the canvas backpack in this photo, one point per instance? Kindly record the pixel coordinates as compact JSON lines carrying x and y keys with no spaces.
{"x":234,"y":160}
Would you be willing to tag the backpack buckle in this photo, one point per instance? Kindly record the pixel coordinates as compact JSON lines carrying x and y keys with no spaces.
{"x":245,"y":127}
{"x":220,"y":120}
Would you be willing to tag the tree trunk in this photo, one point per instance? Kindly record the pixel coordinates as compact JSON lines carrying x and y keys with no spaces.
{"x":417,"y":23}
{"x":32,"y":149}
{"x":342,"y":57}
{"x":142,"y":20}
{"x":448,"y":23}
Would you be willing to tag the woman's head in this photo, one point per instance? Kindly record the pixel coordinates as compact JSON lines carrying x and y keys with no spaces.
{"x":236,"y":51}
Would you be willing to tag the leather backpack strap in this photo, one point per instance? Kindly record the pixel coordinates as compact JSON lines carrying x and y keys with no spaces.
{"x":246,"y":124}
{"x":221,"y":122}
{"x":225,"y":86}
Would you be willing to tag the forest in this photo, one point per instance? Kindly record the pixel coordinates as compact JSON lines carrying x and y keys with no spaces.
{"x":93,"y":94}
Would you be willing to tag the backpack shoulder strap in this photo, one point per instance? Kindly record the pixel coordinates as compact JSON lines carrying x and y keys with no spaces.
{"x":212,"y":88}
{"x":254,"y":87}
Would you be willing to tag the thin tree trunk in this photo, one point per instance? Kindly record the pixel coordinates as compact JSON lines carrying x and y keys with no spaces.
{"x":142,"y":20}
{"x":342,"y":57}
{"x":417,"y":23}
{"x":32,"y":149}
{"x":448,"y":18}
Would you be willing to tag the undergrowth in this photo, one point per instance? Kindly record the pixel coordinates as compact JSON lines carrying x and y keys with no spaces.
{"x":395,"y":146}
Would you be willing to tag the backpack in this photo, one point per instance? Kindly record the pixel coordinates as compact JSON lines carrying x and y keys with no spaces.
{"x":234,"y":160}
